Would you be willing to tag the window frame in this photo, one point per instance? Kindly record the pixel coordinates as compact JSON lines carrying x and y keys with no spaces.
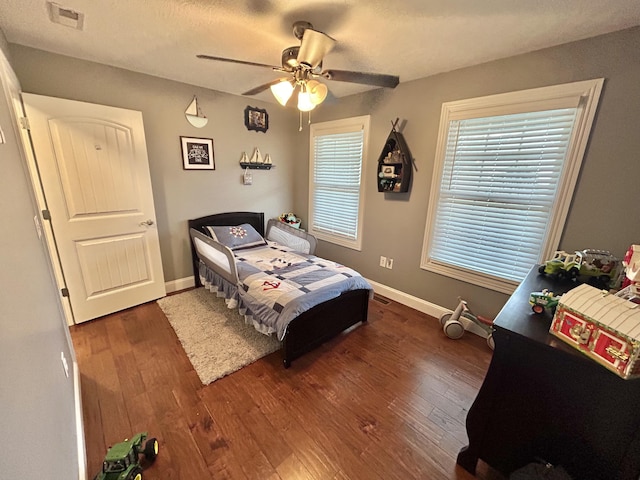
{"x":584,"y":95}
{"x":345,"y":125}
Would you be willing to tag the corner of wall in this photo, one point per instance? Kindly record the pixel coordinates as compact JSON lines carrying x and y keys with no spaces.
{"x":4,"y":45}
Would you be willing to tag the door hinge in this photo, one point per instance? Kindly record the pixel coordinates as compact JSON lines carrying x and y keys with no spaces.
{"x":24,"y":123}
{"x":64,"y":292}
{"x":46,"y":214}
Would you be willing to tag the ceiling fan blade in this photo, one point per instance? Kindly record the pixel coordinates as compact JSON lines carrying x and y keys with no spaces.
{"x":376,"y":79}
{"x":242,"y":62}
{"x":315,"y":45}
{"x":261,"y":88}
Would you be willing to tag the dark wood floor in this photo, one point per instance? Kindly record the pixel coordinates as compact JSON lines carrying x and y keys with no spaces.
{"x":387,"y":400}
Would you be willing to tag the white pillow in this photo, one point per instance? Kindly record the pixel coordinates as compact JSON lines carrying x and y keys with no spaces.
{"x":236,"y":237}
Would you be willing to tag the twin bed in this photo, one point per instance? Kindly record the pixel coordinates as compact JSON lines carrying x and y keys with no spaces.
{"x":275,"y":281}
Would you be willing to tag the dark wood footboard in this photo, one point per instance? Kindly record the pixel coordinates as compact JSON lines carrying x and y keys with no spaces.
{"x":323,"y":322}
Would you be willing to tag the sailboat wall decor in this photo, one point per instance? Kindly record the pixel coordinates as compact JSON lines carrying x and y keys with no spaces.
{"x":194,"y":115}
{"x":256,"y":157}
{"x":394,"y":164}
{"x":256,"y":161}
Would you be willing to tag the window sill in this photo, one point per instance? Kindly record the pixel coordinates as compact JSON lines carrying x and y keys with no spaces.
{"x":469,"y":276}
{"x":343,"y":242}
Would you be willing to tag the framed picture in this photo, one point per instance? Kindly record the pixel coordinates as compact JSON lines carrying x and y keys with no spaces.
{"x":256,"y":119}
{"x":197,"y":153}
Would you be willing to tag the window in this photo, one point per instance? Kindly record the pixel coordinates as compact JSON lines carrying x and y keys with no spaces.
{"x":337,"y":152}
{"x":505,"y":169}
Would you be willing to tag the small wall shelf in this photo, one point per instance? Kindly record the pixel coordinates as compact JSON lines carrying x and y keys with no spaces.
{"x":257,"y":166}
{"x":394,"y":164}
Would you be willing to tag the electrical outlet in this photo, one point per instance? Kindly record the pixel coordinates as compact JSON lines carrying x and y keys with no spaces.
{"x":383,"y":261}
{"x":389,"y":264}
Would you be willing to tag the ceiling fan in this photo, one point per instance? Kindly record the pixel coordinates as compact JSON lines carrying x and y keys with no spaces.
{"x":303,"y":64}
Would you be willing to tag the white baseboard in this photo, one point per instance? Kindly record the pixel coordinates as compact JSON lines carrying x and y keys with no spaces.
{"x":422,"y":306}
{"x":409,"y":300}
{"x":81,"y":444}
{"x":179,"y":284}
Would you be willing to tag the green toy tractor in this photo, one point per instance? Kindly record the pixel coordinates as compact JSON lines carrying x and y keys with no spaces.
{"x":544,"y":299}
{"x":559,"y":264}
{"x":122,"y":461}
{"x":602,"y":269}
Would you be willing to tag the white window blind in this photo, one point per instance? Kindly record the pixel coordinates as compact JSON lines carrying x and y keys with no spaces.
{"x":505,"y":169}
{"x":336,"y":176}
{"x":498,"y":188}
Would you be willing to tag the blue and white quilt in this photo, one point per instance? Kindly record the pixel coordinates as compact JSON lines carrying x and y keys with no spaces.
{"x":277,"y":284}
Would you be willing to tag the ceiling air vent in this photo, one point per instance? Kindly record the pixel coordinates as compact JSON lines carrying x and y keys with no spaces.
{"x":65,"y":16}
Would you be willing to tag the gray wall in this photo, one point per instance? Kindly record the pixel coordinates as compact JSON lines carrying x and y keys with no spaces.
{"x":602,"y":214}
{"x":37,"y":418}
{"x":179,"y":194}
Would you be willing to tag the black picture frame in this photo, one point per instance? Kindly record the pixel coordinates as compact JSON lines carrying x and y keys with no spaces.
{"x":197,"y":153}
{"x":256,"y":119}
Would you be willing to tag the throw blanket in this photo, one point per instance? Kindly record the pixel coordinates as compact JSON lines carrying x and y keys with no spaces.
{"x":278,"y":284}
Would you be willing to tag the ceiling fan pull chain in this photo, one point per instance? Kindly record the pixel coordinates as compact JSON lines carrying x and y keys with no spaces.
{"x":309,"y":117}
{"x":300,"y":128}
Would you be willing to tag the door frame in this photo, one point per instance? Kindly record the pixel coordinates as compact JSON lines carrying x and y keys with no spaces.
{"x":43,"y":226}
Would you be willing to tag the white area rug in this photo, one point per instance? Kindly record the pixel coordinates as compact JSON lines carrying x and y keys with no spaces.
{"x":216,"y":339}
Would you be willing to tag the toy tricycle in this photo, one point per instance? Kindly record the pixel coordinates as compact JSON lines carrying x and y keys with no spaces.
{"x":122,"y":460}
{"x":454,"y":328}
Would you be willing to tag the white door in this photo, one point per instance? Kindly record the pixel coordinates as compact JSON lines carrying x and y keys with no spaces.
{"x":94,"y":170}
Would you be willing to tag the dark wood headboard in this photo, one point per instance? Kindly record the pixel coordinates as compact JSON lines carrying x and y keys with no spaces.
{"x":255,"y":219}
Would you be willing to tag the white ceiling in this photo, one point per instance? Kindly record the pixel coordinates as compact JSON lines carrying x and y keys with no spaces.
{"x":408,"y":38}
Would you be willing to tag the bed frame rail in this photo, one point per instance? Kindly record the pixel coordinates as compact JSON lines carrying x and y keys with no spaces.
{"x":255,"y":219}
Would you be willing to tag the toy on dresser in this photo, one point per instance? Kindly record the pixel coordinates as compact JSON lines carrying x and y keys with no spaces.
{"x":543,"y":299}
{"x":598,"y":267}
{"x":631,"y":282}
{"x":631,"y":264}
{"x":603,"y":326}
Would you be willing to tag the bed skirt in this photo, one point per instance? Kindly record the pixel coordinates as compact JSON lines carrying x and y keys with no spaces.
{"x":225,"y":289}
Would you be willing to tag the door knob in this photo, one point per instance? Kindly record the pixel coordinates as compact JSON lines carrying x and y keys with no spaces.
{"x":146,"y":223}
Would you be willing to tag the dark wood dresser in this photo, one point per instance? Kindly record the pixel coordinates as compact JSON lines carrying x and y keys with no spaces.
{"x":541,"y":399}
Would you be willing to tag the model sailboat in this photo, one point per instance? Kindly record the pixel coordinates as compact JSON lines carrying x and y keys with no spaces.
{"x":256,"y":157}
{"x":194,"y":115}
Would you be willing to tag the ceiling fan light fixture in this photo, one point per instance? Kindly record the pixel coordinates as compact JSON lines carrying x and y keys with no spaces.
{"x":304,"y":101}
{"x":303,"y":64}
{"x":317,"y":91}
{"x":282,"y":91}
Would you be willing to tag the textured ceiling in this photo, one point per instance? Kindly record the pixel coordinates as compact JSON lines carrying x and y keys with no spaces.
{"x":408,"y":38}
